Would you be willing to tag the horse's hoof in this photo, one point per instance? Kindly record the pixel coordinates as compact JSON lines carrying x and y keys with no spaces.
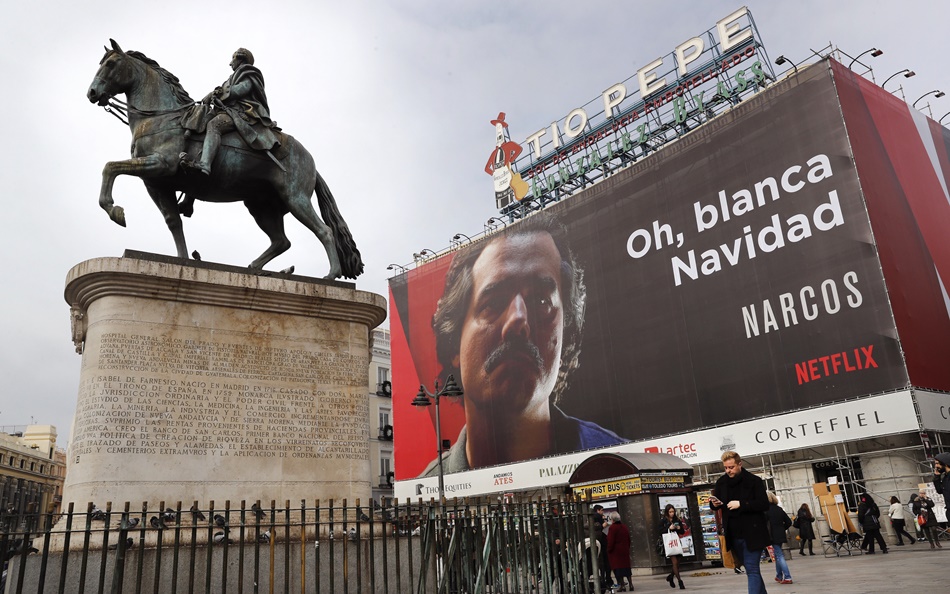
{"x":333,"y":275}
{"x":117,"y":214}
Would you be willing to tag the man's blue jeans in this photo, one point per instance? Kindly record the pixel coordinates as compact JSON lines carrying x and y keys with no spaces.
{"x":781,"y":565}
{"x":750,"y":559}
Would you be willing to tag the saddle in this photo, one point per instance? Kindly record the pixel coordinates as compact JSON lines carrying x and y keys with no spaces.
{"x":195,"y":122}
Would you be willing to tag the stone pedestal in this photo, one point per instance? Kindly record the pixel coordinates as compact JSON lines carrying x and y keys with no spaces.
{"x":204,"y":382}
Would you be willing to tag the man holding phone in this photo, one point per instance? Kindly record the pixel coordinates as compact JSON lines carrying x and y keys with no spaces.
{"x":942,"y":474}
{"x":742,"y":498}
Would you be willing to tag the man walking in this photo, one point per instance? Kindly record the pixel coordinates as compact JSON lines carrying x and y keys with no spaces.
{"x":742,"y":497}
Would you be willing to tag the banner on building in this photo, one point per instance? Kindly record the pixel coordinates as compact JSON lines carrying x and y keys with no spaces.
{"x":731,"y":276}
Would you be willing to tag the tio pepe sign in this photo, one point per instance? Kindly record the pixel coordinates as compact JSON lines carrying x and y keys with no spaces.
{"x":730,"y":34}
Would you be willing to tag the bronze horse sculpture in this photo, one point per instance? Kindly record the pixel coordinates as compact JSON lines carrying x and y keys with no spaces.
{"x":156,"y":104}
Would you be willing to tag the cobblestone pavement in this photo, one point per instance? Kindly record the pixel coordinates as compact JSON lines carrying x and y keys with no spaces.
{"x":908,"y":568}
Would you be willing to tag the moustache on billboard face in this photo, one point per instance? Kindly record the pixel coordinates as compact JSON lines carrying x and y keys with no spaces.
{"x":512,"y":348}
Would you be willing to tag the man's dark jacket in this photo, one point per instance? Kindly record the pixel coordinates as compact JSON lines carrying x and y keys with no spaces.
{"x":942,"y":481}
{"x":750,"y":521}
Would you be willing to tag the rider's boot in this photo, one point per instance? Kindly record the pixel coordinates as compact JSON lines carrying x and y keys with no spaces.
{"x":190,"y":163}
{"x":209,"y":149}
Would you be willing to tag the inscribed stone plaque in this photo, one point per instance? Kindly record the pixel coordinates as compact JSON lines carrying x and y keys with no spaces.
{"x":208,"y":383}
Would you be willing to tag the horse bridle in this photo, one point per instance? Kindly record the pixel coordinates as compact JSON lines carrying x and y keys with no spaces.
{"x":121,"y":110}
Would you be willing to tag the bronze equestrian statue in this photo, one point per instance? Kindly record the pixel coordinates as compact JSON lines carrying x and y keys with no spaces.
{"x":263,"y":167}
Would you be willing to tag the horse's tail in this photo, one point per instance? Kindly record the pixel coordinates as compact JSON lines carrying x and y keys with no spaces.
{"x":351,"y":263}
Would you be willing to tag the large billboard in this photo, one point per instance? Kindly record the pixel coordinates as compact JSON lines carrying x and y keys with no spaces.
{"x":731,"y":276}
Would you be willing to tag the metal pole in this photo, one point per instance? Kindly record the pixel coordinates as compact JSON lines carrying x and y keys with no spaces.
{"x":438,"y":437}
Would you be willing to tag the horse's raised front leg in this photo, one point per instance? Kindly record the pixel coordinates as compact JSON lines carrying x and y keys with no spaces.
{"x":148,"y":166}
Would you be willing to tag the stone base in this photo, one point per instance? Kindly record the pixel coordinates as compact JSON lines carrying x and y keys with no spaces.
{"x":205,"y":382}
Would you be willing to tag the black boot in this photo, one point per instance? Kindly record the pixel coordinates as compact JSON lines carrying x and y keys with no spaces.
{"x":669,"y":578}
{"x":682,"y":587}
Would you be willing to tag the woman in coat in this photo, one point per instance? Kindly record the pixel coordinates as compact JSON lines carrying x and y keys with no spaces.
{"x":924,"y":506}
{"x":618,"y":551}
{"x":806,"y":529}
{"x":913,"y":517}
{"x":869,"y":516}
{"x":779,"y":523}
{"x":670,"y":522}
{"x":896,"y":513}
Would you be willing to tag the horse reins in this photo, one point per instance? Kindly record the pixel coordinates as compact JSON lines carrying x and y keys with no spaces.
{"x":120,"y":109}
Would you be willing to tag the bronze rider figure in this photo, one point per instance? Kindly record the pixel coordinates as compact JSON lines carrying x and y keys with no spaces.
{"x":239,"y":104}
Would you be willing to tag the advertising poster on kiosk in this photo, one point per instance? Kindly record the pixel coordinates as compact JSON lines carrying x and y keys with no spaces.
{"x":707,"y":519}
{"x":731,"y":276}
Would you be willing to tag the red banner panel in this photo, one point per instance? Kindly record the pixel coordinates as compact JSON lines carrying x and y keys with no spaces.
{"x":732,"y":275}
{"x":901,"y":157}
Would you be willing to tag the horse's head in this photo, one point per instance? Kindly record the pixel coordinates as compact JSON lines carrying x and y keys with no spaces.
{"x":116,"y":74}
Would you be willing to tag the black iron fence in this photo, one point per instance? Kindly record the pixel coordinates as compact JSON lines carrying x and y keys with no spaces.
{"x":466,"y":545}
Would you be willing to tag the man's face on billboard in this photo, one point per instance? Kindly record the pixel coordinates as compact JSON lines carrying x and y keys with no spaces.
{"x":510,"y":348}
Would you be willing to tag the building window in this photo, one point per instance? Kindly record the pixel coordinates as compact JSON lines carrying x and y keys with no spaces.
{"x":382,"y":375}
{"x":385,"y":469}
{"x":384,"y":417}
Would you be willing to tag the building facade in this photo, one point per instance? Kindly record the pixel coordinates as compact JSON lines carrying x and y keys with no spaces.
{"x":382,"y":472}
{"x":32,"y":471}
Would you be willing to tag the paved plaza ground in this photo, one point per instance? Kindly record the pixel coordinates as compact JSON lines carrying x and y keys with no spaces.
{"x":910,"y":568}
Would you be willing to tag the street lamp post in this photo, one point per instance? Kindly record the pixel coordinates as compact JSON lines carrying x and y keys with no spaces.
{"x":874,"y":53}
{"x":397,"y":267}
{"x":783,"y":60}
{"x":425,"y":398}
{"x":935,"y":93}
{"x":493,"y":223}
{"x":458,"y":237}
{"x":908,"y":73}
{"x":423,"y":254}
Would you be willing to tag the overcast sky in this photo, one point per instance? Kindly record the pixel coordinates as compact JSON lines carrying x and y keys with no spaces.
{"x":393,"y":99}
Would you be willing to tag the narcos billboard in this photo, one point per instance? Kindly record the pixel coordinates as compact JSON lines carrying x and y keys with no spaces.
{"x":731,"y":276}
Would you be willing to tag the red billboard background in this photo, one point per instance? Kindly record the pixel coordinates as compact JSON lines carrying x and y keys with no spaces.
{"x":666,"y":353}
{"x":902,"y":162}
